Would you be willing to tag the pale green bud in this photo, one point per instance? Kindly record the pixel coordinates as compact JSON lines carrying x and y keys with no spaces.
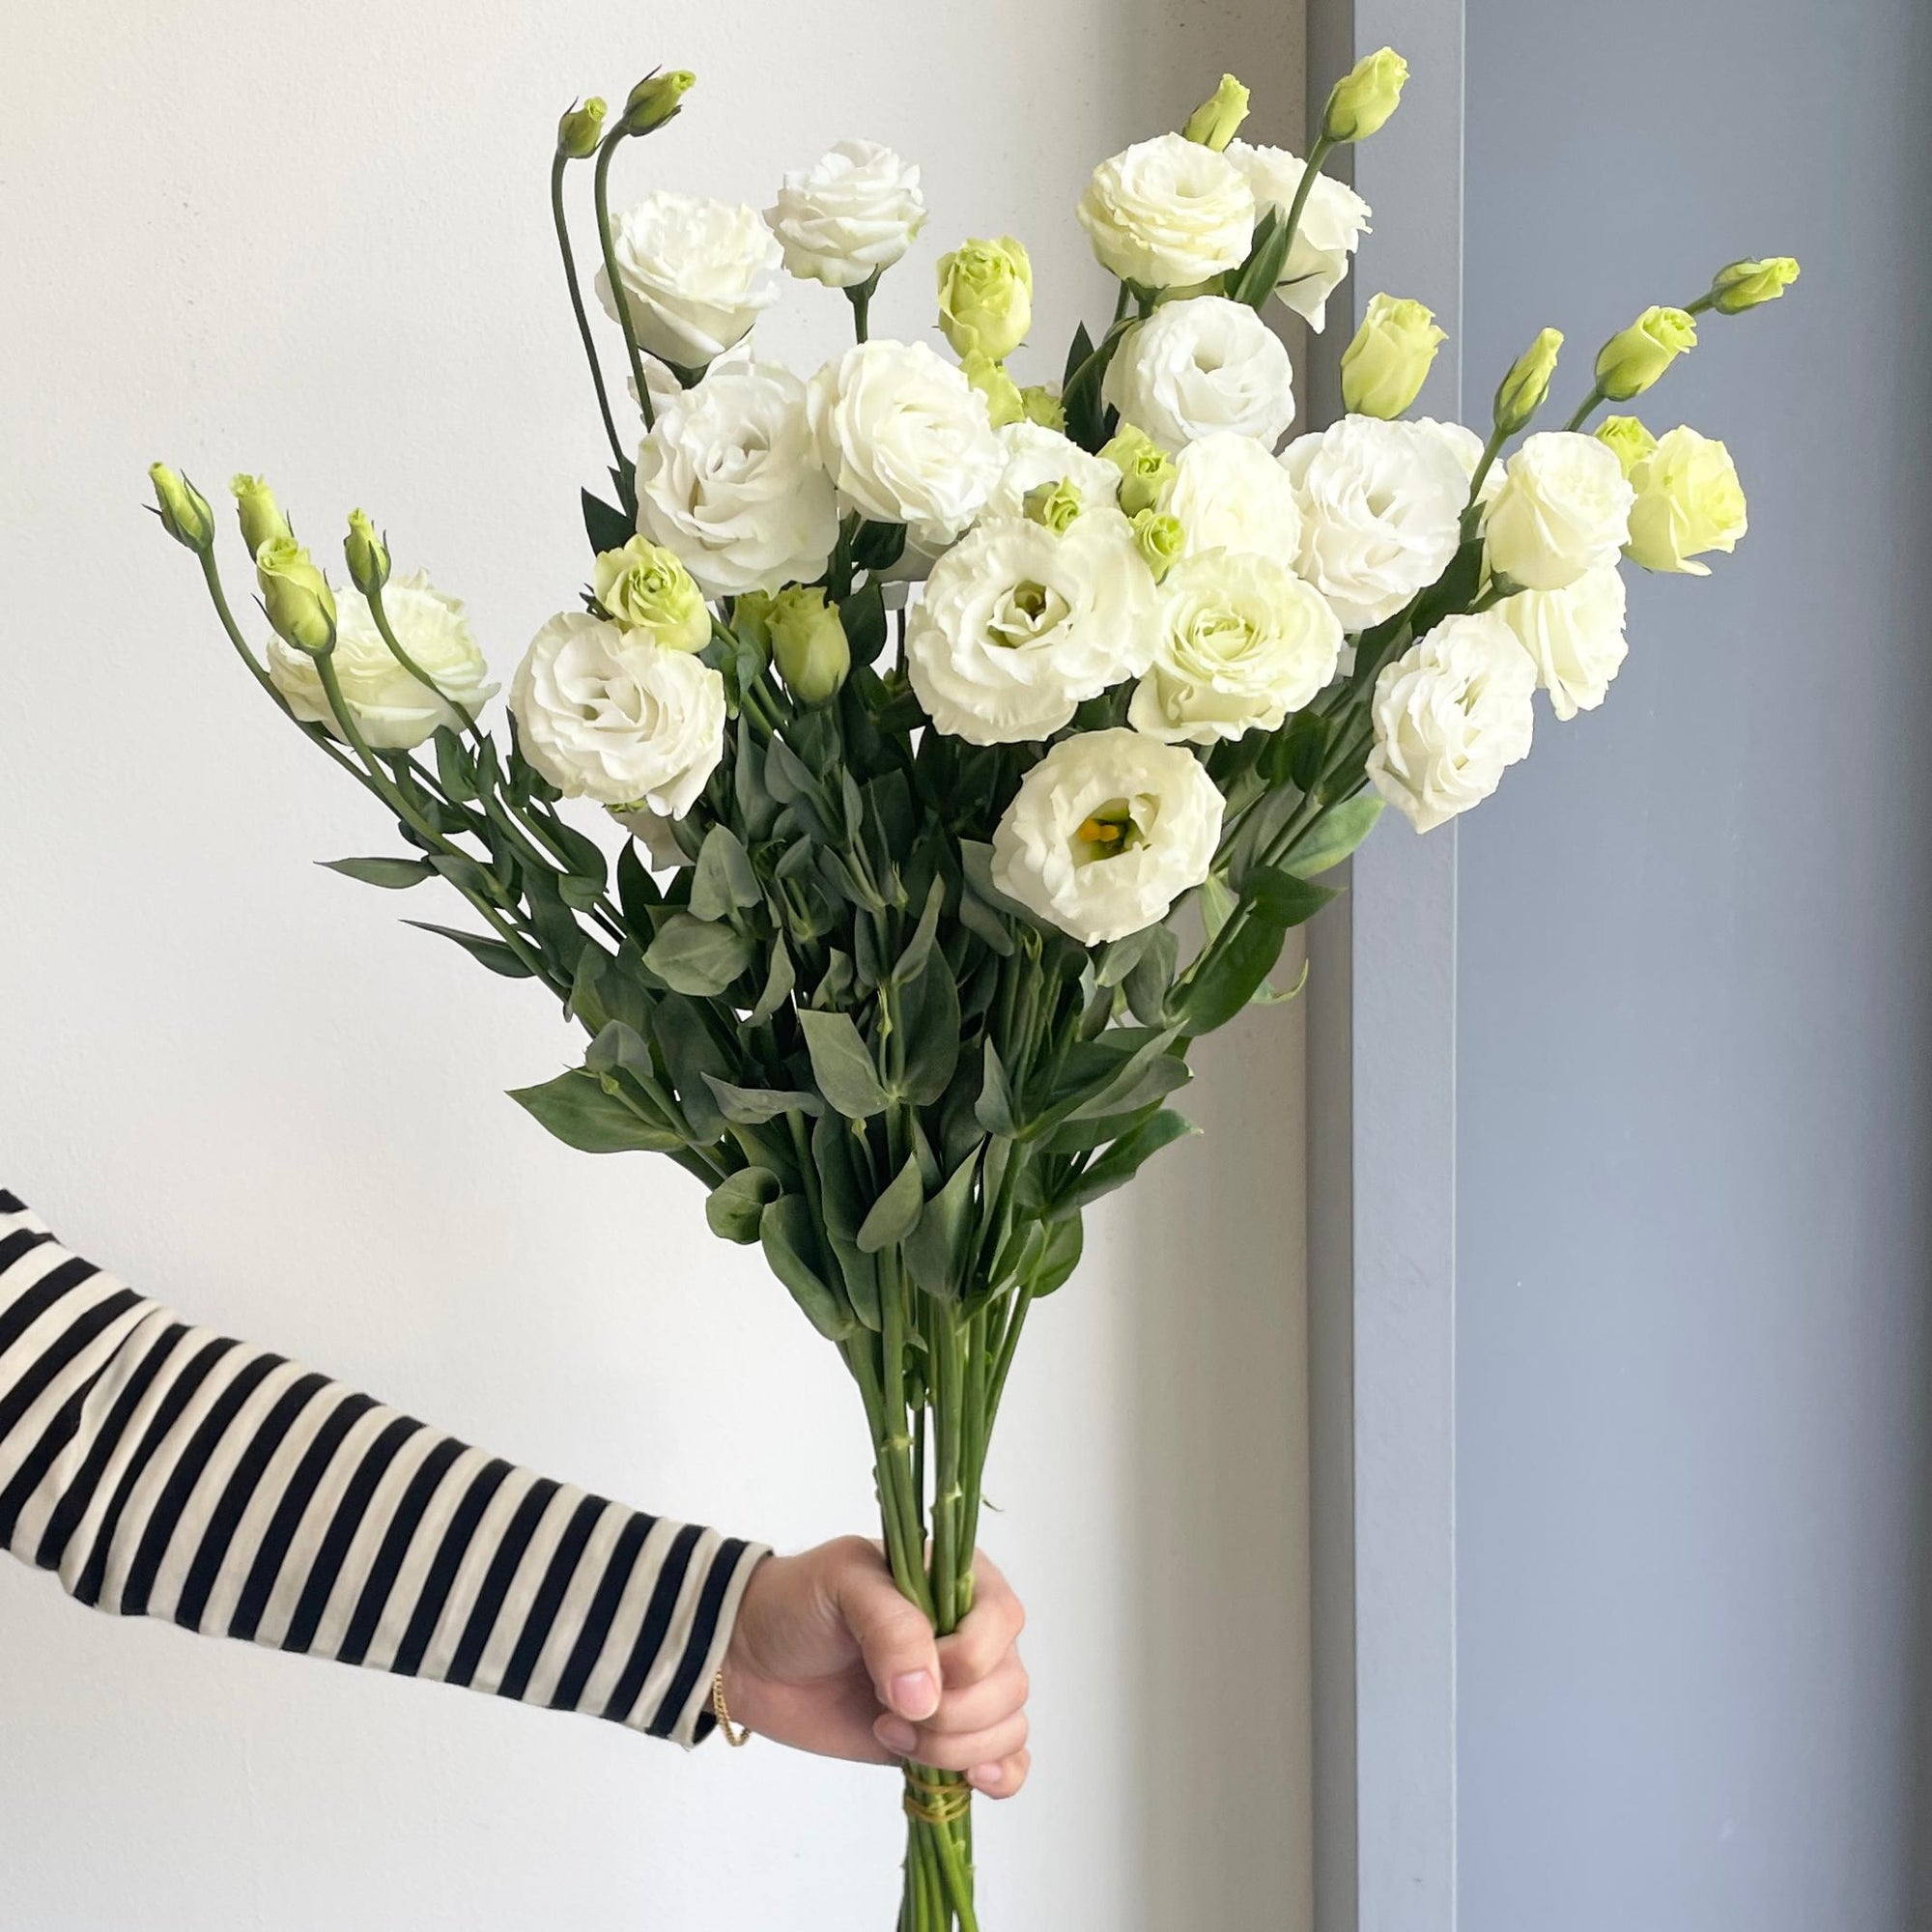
{"x":1146,"y":469}
{"x":261,"y":516}
{"x":1744,"y":285}
{"x":1054,"y":505}
{"x":1634,"y":357}
{"x":184,"y":512}
{"x":1159,"y":539}
{"x":751,"y":619}
{"x":1042,"y":405}
{"x":985,"y":297}
{"x":1527,"y":387}
{"x":580,"y":130}
{"x":808,"y":645}
{"x":1384,"y":367}
{"x":1627,"y":439}
{"x":296,"y":595}
{"x":1002,"y":393}
{"x":366,"y":554}
{"x":1365,"y":96}
{"x":1218,"y":119}
{"x":655,"y":100}
{"x":645,"y":587}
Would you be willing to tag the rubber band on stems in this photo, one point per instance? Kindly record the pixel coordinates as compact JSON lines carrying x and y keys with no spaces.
{"x":931,"y":1802}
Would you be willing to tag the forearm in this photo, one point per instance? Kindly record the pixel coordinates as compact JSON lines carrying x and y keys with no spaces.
{"x":166,"y":1472}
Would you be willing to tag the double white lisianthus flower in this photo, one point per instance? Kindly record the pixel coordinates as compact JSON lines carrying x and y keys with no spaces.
{"x":1380,"y":504}
{"x":1227,"y":493}
{"x":1199,"y":365}
{"x":1451,"y":715}
{"x":1169,"y":214}
{"x":1019,"y":625}
{"x":1106,"y":832}
{"x":696,"y":275}
{"x":1574,"y":636}
{"x":1037,"y":458}
{"x":1689,"y":501}
{"x":905,"y":437}
{"x":391,"y":707}
{"x":729,"y":479}
{"x":606,"y":714}
{"x":1334,"y":218}
{"x":1564,"y":508}
{"x":850,"y":214}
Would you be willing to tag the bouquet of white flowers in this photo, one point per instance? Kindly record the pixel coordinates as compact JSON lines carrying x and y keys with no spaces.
{"x":979,"y":743}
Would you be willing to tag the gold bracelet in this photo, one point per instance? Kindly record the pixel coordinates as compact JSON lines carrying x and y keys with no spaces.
{"x":735,"y":1735}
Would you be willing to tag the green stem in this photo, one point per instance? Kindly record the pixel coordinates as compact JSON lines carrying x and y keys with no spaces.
{"x":1584,"y":407}
{"x":621,"y":300}
{"x":386,"y":631}
{"x":576,"y":307}
{"x":860,"y":298}
{"x":1312,"y":167}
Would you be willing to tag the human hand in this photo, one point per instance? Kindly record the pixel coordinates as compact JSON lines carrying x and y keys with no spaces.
{"x":828,"y":1657}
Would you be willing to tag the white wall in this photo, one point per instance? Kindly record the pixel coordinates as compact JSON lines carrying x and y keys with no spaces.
{"x":314,"y":240}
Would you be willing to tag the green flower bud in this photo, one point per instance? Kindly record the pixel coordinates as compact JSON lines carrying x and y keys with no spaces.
{"x":985,"y":297}
{"x":1384,"y":367}
{"x":1159,"y":539}
{"x":1054,"y":505}
{"x":366,"y":554}
{"x":1627,"y":438}
{"x":1002,"y":393}
{"x":184,"y":512}
{"x":751,"y":619}
{"x":1744,"y":285}
{"x":808,"y":645}
{"x":646,"y":588}
{"x":1634,"y":357}
{"x":1365,"y":96}
{"x":1042,"y":406}
{"x":1527,"y":387}
{"x":580,"y":130}
{"x":1218,"y":119}
{"x":261,"y":519}
{"x":1146,"y":469}
{"x":655,"y":100}
{"x":296,"y":595}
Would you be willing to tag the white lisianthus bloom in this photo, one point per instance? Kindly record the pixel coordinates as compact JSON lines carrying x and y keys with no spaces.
{"x":854,"y":212}
{"x":1018,"y":625}
{"x":663,"y":388}
{"x":1169,"y":214}
{"x":1333,"y":222}
{"x":391,"y":708}
{"x":1198,"y":365}
{"x":697,"y":275}
{"x":1106,"y":832}
{"x":1689,"y":501}
{"x":1451,"y":715}
{"x":1380,"y":505}
{"x":906,"y":438}
{"x":729,"y":481}
{"x":603,"y":713}
{"x":1575,"y":638}
{"x":1564,"y":508}
{"x":1228,"y":492}
{"x":1469,"y":447}
{"x":1243,"y":642}
{"x":1037,"y":457}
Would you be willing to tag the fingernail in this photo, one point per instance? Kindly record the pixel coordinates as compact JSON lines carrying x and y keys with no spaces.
{"x":914,"y":1695}
{"x":895,"y":1734}
{"x":986,"y":1778}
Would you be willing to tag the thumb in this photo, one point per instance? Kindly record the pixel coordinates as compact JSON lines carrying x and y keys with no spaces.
{"x":895,"y":1638}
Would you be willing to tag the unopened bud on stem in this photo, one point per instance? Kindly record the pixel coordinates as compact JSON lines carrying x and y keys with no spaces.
{"x":184,"y":512}
{"x":261,"y":516}
{"x":580,"y":130}
{"x":656,"y":98}
{"x":1634,"y":357}
{"x":808,"y":645}
{"x":1365,"y":96}
{"x":296,"y":595}
{"x":1527,"y":387}
{"x":1218,"y":119}
{"x":366,"y":554}
{"x":1746,"y":285}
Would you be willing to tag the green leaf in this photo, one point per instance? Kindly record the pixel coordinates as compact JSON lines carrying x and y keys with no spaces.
{"x":1262,"y":271}
{"x":490,"y":952}
{"x":690,"y":1053}
{"x":928,"y":1015}
{"x":724,"y":881}
{"x":1335,"y":835}
{"x":841,"y":1065}
{"x":1060,"y":1255}
{"x":1083,"y":1136}
{"x":455,"y":768}
{"x":1277,"y":900}
{"x":780,"y":979}
{"x":911,"y":962}
{"x":391,"y":874}
{"x":736,"y":1205}
{"x":786,"y":777}
{"x":637,"y":893}
{"x":1114,"y":961}
{"x":785,"y":1228}
{"x":895,"y":1212}
{"x":607,"y":527}
{"x":583,"y":1113}
{"x":994,"y":1109}
{"x":878,"y":546}
{"x":753,"y":1106}
{"x":1139,"y":1085}
{"x":1116,"y":1166}
{"x":864,"y":617}
{"x":1152,"y":979}
{"x":696,"y":957}
{"x":939,"y":1248}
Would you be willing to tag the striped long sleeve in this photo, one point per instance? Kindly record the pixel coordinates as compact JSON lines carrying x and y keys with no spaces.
{"x":162,"y":1470}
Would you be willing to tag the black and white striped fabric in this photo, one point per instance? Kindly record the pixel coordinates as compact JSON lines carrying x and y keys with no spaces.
{"x":165,"y":1471}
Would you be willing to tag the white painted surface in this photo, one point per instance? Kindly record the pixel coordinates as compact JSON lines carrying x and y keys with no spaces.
{"x":315,"y":241}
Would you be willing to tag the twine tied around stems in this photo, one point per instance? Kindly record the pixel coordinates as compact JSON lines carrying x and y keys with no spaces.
{"x":931,"y":1802}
